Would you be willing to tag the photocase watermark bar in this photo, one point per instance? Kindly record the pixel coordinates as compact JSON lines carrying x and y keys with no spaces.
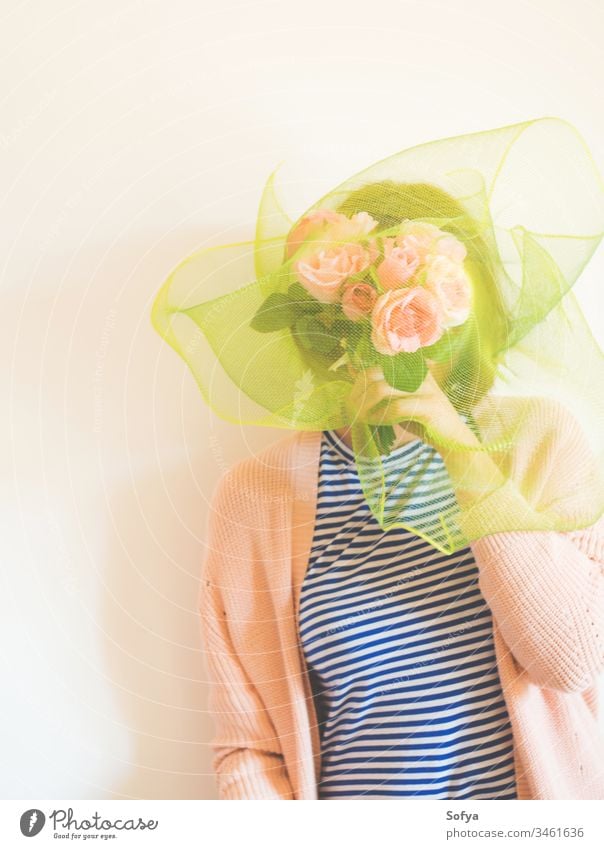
{"x":270,"y":824}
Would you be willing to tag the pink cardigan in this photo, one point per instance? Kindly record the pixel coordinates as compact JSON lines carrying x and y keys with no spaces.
{"x":545,"y":590}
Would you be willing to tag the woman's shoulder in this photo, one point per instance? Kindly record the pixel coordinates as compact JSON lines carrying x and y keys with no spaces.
{"x":549,"y":452}
{"x":535,"y":417}
{"x":261,"y":480}
{"x":250,"y":512}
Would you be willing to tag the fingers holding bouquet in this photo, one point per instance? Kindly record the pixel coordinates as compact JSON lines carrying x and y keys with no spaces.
{"x":425,"y":411}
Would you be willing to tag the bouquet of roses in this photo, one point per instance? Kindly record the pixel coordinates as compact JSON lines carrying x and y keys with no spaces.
{"x":355,"y":297}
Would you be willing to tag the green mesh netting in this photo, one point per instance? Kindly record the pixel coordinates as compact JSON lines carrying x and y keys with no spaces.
{"x":441,"y":271}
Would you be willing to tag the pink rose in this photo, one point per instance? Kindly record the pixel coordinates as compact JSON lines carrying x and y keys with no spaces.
{"x":310,"y":225}
{"x":452,"y":248}
{"x":331,"y":226}
{"x":405,"y":320}
{"x":358,"y":300}
{"x":400,"y":263}
{"x":323,"y":273}
{"x":352,"y":229}
{"x":420,"y":236}
{"x":449,"y":284}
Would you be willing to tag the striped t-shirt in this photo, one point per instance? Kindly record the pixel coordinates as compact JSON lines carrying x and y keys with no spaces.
{"x":399,"y":645}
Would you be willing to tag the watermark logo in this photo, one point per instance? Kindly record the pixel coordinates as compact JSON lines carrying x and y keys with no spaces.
{"x":32,"y":822}
{"x":66,"y":825}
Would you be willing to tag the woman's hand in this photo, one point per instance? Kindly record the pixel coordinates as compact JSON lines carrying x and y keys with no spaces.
{"x":473,"y":473}
{"x":373,"y":400}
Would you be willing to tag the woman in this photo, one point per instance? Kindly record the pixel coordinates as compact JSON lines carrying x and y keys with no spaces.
{"x":348,"y":661}
{"x":405,"y":598}
{"x":509,"y":707}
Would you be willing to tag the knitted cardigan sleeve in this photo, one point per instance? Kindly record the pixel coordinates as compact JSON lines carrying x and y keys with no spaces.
{"x":248,"y":760}
{"x":545,"y":589}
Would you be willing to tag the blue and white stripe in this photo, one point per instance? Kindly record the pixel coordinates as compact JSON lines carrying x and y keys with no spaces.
{"x":399,"y":643}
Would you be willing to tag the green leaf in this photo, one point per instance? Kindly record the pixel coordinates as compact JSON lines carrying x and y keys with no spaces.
{"x":362,"y":352}
{"x":274,"y":313}
{"x":281,"y":309}
{"x":330,"y":313}
{"x":405,"y":372}
{"x":442,"y":350}
{"x":313,"y":335}
{"x":342,"y":327}
{"x":375,"y":278}
{"x":449,"y":345}
{"x":302,"y":300}
{"x":383,"y":436}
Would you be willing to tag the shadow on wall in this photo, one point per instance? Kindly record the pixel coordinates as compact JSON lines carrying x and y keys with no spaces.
{"x":152,"y":645}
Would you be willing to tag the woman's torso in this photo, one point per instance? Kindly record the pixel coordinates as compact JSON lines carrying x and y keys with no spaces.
{"x":399,"y":645}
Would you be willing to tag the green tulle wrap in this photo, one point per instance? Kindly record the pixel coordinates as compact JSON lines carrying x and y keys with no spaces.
{"x":527,"y":203}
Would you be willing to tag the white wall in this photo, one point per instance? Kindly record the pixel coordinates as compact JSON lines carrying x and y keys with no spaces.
{"x":132,"y":132}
